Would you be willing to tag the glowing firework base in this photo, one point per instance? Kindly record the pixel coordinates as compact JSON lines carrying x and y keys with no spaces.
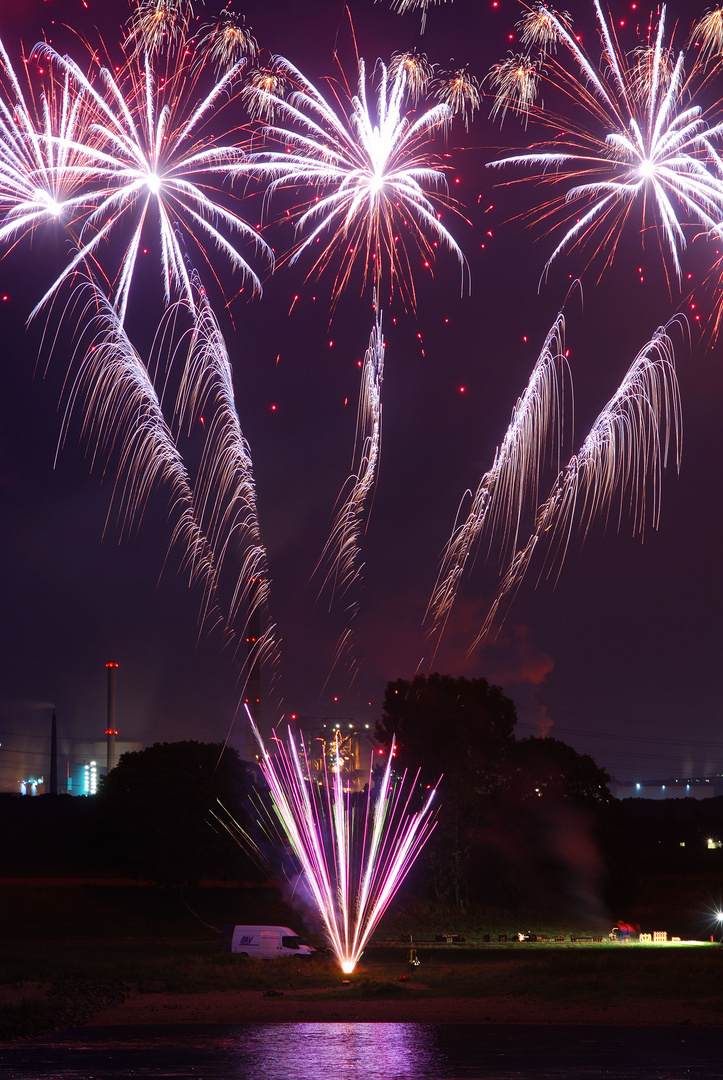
{"x":354,"y":851}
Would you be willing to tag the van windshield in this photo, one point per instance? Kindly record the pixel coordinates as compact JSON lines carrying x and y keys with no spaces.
{"x":290,"y":942}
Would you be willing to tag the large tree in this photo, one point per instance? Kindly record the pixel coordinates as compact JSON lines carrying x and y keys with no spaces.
{"x":459,"y":727}
{"x":155,"y":812}
{"x":548,"y":769}
{"x":507,"y":806}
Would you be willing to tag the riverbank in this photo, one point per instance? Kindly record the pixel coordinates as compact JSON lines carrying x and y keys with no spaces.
{"x":121,"y":955}
{"x":407,"y":1005}
{"x":115,"y":1005}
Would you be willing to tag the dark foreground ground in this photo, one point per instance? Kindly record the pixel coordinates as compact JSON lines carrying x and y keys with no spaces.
{"x":80,"y":954}
{"x":234,"y":1007}
{"x":611,"y":985}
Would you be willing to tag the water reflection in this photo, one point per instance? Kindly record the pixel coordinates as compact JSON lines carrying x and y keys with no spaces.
{"x":369,"y":1051}
{"x":338,"y":1050}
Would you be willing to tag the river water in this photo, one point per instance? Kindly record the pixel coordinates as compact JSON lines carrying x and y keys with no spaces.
{"x":365,"y":1051}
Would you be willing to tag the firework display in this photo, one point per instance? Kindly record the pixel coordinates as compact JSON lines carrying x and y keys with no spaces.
{"x":149,"y":154}
{"x":418,"y":72}
{"x":513,"y":479}
{"x":188,"y":146}
{"x":460,"y":91}
{"x":622,"y":457}
{"x":354,"y":852}
{"x":375,"y":188}
{"x":118,"y":150}
{"x":634,"y":139}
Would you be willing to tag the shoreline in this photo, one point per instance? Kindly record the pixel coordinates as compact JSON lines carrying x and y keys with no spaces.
{"x":313,"y":1006}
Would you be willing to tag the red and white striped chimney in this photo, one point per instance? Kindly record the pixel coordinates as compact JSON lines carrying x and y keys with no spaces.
{"x":110,"y":732}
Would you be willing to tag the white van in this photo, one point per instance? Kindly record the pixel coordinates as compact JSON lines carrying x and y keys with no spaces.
{"x":268,"y":942}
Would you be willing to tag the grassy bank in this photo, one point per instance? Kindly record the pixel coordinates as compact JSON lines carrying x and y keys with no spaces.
{"x":83,"y":944}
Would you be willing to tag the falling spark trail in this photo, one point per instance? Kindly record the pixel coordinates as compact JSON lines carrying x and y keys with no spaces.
{"x":377,"y":192}
{"x":513,"y":479}
{"x":224,"y":486}
{"x":353,"y":858}
{"x":622,"y":453}
{"x":121,"y":411}
{"x":341,"y":552}
{"x":403,"y":6}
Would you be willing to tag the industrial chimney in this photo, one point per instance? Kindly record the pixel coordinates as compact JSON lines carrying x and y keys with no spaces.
{"x":111,"y":732}
{"x":53,"y":755}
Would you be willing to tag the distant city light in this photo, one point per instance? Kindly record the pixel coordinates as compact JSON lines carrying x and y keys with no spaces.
{"x":90,"y":778}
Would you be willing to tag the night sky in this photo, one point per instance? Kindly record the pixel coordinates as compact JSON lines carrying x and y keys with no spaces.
{"x":621,"y":658}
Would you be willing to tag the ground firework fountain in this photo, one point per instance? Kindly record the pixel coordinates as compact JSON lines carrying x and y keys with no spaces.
{"x":354,"y":850}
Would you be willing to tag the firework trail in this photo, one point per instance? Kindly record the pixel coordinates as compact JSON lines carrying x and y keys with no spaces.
{"x":634,"y":136}
{"x":342,"y":547}
{"x":622,"y":454}
{"x":153,"y":153}
{"x":215,"y":514}
{"x":512,"y":481}
{"x":342,"y":550}
{"x":402,"y":6}
{"x":353,"y":855}
{"x":225,"y":489}
{"x":114,"y":393}
{"x":374,"y":182}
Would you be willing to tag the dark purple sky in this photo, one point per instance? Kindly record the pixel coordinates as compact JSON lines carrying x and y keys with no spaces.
{"x":622,"y":658}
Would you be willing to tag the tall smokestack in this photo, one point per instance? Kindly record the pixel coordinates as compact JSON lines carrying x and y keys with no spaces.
{"x":111,"y":732}
{"x":53,"y":755}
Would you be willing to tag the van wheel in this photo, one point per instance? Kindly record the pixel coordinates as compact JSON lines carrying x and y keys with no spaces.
{"x":243,"y":954}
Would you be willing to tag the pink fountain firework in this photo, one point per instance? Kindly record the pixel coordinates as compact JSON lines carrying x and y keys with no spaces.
{"x":353,"y":856}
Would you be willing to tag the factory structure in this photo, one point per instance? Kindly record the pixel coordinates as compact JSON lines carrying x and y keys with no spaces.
{"x":76,"y":765}
{"x":330,"y":747}
{"x":340,"y":747}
